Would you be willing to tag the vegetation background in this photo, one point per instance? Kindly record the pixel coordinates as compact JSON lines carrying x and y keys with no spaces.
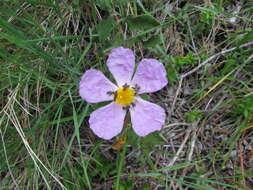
{"x":206,"y":47}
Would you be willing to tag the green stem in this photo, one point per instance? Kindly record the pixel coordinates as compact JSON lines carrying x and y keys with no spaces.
{"x":121,"y":161}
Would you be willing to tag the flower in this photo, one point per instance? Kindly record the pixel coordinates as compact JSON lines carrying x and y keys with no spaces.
{"x":146,"y":117}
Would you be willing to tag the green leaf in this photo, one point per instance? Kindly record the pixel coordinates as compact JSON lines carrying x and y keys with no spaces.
{"x":145,"y":96}
{"x":148,"y":142}
{"x":152,"y":42}
{"x":193,"y":116}
{"x":106,"y":5}
{"x":142,"y":22}
{"x":132,"y":138}
{"x":181,"y":61}
{"x":171,"y":74}
{"x":105,"y":27}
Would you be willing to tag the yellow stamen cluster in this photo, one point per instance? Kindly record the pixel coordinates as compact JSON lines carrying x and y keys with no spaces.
{"x":124,"y":96}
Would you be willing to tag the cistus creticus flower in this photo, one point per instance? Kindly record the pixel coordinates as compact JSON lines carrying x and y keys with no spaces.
{"x":146,"y":117}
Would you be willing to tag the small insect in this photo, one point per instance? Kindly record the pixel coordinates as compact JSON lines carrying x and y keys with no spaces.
{"x":115,"y":96}
{"x":136,"y":89}
{"x":126,"y":107}
{"x":110,"y":93}
{"x":125,"y":86}
{"x":120,"y":142}
{"x":133,"y":104}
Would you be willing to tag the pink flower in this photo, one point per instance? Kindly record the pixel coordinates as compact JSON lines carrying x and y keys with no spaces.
{"x":146,"y":117}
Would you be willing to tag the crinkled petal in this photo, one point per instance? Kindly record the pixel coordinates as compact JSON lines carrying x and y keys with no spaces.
{"x":94,"y":86}
{"x":146,"y":117}
{"x":150,"y":76}
{"x":107,"y":122}
{"x":121,"y":64}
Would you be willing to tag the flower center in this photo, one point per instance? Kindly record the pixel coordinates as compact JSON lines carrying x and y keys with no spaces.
{"x":124,"y":96}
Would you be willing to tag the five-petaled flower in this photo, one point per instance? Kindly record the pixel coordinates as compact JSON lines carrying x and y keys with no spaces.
{"x":146,"y":117}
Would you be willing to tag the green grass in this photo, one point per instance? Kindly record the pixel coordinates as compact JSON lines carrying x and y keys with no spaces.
{"x":46,"y":143}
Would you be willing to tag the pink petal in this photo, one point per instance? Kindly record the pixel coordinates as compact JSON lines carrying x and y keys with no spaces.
{"x":94,"y":86}
{"x":121,"y":64}
{"x":150,"y":76}
{"x":146,"y":117}
{"x":106,"y":122}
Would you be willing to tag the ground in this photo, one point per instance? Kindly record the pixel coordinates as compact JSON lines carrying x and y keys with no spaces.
{"x":206,"y":48}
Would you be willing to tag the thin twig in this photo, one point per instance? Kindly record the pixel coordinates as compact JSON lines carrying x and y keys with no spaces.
{"x":181,"y":147}
{"x":184,"y":75}
{"x":176,"y":95}
{"x":214,"y":56}
{"x":193,"y":140}
{"x":176,"y":124}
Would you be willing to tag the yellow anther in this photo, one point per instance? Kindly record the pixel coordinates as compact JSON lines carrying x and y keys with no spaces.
{"x":124,"y":96}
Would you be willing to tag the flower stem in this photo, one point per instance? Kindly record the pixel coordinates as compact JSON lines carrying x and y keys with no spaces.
{"x":123,"y":152}
{"x":121,"y":162}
